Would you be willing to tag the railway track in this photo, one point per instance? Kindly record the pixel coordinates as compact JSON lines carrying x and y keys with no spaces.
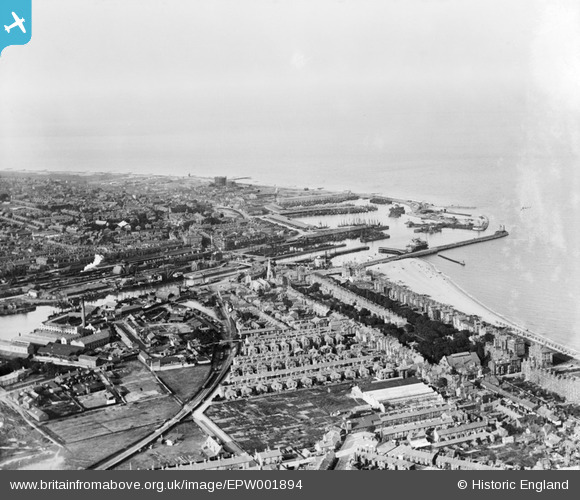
{"x":220,"y":369}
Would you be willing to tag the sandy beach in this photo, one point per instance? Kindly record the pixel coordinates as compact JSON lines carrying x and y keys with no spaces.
{"x":423,"y":277}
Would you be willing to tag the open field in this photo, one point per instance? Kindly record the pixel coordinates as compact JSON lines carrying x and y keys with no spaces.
{"x":291,"y":418}
{"x":96,"y":434}
{"x":185,"y":382}
{"x":136,"y":379}
{"x":112,"y":419}
{"x":20,"y":444}
{"x":94,"y":400}
{"x":82,"y":454}
{"x":188,"y":448}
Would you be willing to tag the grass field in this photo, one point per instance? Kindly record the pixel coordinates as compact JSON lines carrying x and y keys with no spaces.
{"x":82,"y":454}
{"x":96,"y":434}
{"x":188,"y":448}
{"x":93,"y":435}
{"x":185,"y":382}
{"x":293,"y":418}
{"x":20,"y":444}
{"x":135,"y":378}
{"x":112,"y":419}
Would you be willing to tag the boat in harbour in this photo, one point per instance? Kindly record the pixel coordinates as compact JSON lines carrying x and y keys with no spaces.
{"x":417,"y":244}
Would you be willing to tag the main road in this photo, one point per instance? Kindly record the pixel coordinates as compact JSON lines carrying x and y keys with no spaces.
{"x":217,"y":374}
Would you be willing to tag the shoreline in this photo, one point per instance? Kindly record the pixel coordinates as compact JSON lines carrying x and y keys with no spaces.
{"x":425,"y":278}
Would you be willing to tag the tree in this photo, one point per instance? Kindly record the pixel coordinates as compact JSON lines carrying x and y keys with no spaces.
{"x":488,"y":337}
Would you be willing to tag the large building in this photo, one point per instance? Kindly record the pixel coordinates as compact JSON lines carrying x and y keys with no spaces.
{"x":16,"y":348}
{"x":315,"y":199}
{"x":98,"y":339}
{"x":398,"y":390}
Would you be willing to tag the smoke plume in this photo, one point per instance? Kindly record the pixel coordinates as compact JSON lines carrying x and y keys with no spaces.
{"x":94,"y":264}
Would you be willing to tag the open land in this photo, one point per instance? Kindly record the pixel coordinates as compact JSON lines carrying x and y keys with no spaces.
{"x":19,"y":446}
{"x":297,"y":418}
{"x":189,"y":439}
{"x":185,"y":382}
{"x":95,"y":434}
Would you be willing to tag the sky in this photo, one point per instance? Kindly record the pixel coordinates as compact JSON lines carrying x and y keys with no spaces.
{"x":108,"y":85}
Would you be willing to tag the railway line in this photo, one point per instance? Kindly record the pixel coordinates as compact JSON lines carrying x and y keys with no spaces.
{"x":222,"y":361}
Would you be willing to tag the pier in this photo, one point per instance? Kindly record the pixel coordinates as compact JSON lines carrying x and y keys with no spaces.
{"x":348,"y":250}
{"x":460,"y":262}
{"x":329,"y":253}
{"x":392,"y":251}
{"x":435,"y":250}
{"x":458,"y":213}
{"x":301,"y":211}
{"x":287,"y":222}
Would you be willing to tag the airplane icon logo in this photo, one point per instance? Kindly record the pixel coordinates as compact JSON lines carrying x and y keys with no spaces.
{"x":17,"y":23}
{"x":21,"y":18}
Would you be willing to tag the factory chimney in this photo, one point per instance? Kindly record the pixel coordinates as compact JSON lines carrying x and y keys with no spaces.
{"x":83,"y":313}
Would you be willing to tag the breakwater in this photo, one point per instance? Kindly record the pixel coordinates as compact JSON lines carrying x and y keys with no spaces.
{"x":461,"y":263}
{"x":431,"y":251}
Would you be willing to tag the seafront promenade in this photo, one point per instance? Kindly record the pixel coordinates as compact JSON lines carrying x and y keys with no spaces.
{"x":424,"y":280}
{"x":538,"y":339}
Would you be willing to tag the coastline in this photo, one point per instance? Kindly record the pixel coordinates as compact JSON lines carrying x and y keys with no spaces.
{"x":423,"y":277}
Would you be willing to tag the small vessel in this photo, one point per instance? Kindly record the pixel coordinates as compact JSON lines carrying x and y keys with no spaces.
{"x":396,"y":211}
{"x":417,"y":244}
{"x":481,"y":223}
{"x":357,"y":221}
{"x":374,"y":237}
{"x":427,"y":228}
{"x":379,"y":200}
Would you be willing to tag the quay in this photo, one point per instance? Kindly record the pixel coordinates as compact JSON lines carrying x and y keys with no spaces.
{"x":457,"y":213}
{"x":301,"y":211}
{"x":326,"y":235}
{"x":392,"y":251}
{"x":329,"y":252}
{"x":288,"y":222}
{"x":349,"y":250}
{"x":310,"y":251}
